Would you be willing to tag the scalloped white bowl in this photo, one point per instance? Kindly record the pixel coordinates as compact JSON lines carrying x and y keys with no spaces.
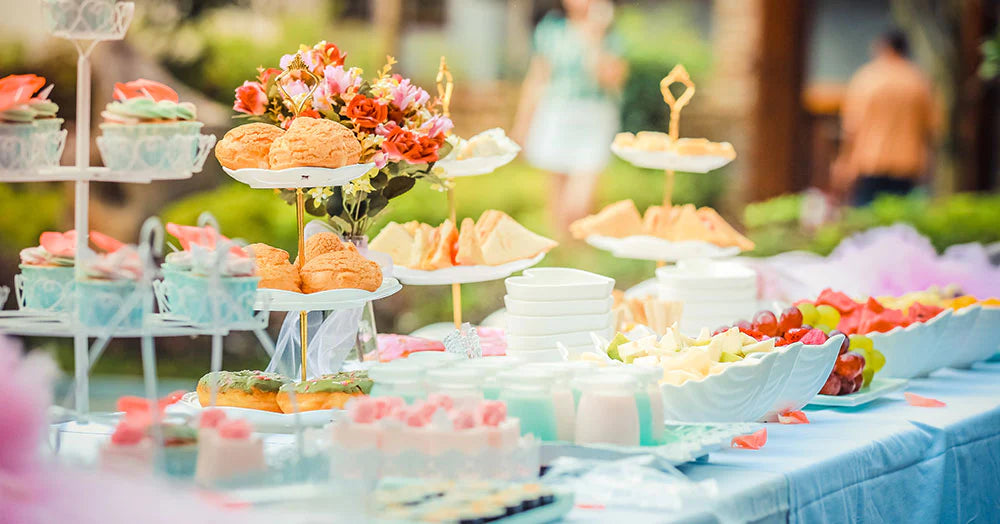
{"x":908,"y":351}
{"x":985,"y":336}
{"x":955,"y":347}
{"x":781,"y":373}
{"x":811,"y":370}
{"x":735,"y":395}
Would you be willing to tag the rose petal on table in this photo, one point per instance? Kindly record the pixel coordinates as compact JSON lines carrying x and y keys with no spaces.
{"x":793,"y":417}
{"x":755,"y":440}
{"x":923,"y":402}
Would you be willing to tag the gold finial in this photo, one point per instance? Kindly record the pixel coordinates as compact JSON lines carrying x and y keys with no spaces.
{"x":677,"y":75}
{"x":445,"y":86}
{"x":297,"y":65}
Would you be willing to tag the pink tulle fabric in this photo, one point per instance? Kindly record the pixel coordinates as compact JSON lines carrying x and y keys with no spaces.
{"x":889,"y":260}
{"x":35,"y":490}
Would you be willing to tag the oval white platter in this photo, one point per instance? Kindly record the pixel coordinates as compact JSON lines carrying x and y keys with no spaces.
{"x":295,"y":177}
{"x":672,"y":161}
{"x":334,"y":299}
{"x":646,"y":247}
{"x":878,"y":388}
{"x":266,"y":421}
{"x":463,"y":274}
{"x":482,"y":165}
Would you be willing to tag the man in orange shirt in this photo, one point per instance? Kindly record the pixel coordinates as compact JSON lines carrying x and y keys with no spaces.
{"x":888,"y":122}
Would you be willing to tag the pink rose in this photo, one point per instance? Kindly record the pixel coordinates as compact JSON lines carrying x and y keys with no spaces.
{"x":237,"y":429}
{"x":404,"y":94}
{"x":437,"y":125}
{"x":250,"y":99}
{"x":338,"y":81}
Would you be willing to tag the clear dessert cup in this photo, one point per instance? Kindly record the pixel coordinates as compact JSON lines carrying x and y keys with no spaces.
{"x":528,"y":395}
{"x":16,"y":140}
{"x":608,"y":412}
{"x":47,"y":288}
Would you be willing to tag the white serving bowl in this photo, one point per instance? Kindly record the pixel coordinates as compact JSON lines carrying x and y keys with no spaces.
{"x":731,"y":396}
{"x":557,"y":309}
{"x":538,"y":355}
{"x":955,"y":347}
{"x":986,"y":333}
{"x":780,"y":374}
{"x":908,"y":351}
{"x":811,"y":370}
{"x":717,"y":297}
{"x":534,"y":326}
{"x":554,"y":284}
{"x":535,"y":342}
{"x":705,"y":275}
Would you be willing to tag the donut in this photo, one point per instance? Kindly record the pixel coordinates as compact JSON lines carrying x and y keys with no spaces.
{"x":243,"y":389}
{"x":325,"y":392}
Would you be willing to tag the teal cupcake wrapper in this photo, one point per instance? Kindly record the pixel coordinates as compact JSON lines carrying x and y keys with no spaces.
{"x":31,"y":145}
{"x":100,"y":300}
{"x":176,"y":151}
{"x":46,"y":288}
{"x":187,"y":296}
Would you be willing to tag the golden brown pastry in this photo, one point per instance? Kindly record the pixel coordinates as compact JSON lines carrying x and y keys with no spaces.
{"x":274,"y":269}
{"x":344,"y":269}
{"x":243,"y":389}
{"x":702,"y":146}
{"x":326,"y":392}
{"x":321,"y":243}
{"x":315,"y":142}
{"x":617,"y":220}
{"x":247,"y":146}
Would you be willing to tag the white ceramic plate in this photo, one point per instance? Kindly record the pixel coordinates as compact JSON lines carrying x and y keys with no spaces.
{"x":334,"y":299}
{"x":558,"y":284}
{"x":669,"y":160}
{"x":462,"y":274}
{"x":811,"y":370}
{"x":264,"y":421}
{"x":646,"y":247}
{"x":879,"y":388}
{"x":531,"y":325}
{"x":557,"y":309}
{"x":295,"y":177}
{"x":544,"y":342}
{"x":482,"y":165}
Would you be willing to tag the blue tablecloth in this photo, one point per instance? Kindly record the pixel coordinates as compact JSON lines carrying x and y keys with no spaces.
{"x":883,"y":462}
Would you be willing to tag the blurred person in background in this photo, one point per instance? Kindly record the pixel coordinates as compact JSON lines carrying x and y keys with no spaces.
{"x":568,"y":112}
{"x":888,"y":123}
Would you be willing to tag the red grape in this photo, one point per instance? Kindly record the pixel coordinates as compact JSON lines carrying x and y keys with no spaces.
{"x":790,"y":318}
{"x":743,"y":324}
{"x":849,"y":364}
{"x":845,"y":345}
{"x":859,"y":381}
{"x":832,"y":385}
{"x":719,"y":330}
{"x":814,"y":337}
{"x":847,"y":386}
{"x":766,"y":323}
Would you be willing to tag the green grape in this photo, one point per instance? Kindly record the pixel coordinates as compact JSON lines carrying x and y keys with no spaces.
{"x":877,"y":360}
{"x":861,"y":341}
{"x":824,"y":328}
{"x":867,"y":374}
{"x":827,"y":315}
{"x":809,"y":313}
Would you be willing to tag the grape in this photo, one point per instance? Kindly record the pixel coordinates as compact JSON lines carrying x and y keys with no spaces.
{"x":790,"y":318}
{"x":766,"y":323}
{"x":859,"y":381}
{"x":867,"y":374}
{"x":849,"y":364}
{"x":832,"y":385}
{"x":743,"y":324}
{"x":809,"y":312}
{"x":827,"y":315}
{"x":847,"y":386}
{"x":861,"y":341}
{"x":824,"y":328}
{"x":876,"y":361}
{"x":845,"y":345}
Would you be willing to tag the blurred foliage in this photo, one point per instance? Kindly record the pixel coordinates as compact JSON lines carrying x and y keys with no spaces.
{"x":28,"y":211}
{"x":946,"y":221}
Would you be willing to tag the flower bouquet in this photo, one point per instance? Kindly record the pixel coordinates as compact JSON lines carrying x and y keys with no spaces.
{"x":391,"y":117}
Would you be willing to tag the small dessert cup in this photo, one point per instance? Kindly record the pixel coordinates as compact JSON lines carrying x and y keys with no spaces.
{"x":47,"y":288}
{"x":188,"y":297}
{"x":16,"y":145}
{"x":158,"y":146}
{"x":99,"y":302}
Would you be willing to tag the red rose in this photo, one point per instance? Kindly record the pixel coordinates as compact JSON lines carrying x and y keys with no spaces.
{"x":250,"y":99}
{"x":401,"y":144}
{"x":331,"y":54}
{"x":366,"y":112}
{"x":263,"y":75}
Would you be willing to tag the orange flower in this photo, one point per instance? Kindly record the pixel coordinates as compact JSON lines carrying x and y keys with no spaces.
{"x":250,"y":99}
{"x":143,"y":88}
{"x":401,"y":144}
{"x":366,"y":112}
{"x":263,"y":75}
{"x":18,"y":89}
{"x":330,"y":53}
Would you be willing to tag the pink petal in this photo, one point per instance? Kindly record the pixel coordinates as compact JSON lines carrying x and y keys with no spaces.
{"x":793,"y":417}
{"x":105,"y":242}
{"x":235,"y":429}
{"x":755,"y":440}
{"x":59,"y":244}
{"x":923,"y":402}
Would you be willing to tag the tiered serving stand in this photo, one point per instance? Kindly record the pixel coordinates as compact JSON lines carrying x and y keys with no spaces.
{"x":86,"y":24}
{"x":301,"y":179}
{"x":453,"y":170}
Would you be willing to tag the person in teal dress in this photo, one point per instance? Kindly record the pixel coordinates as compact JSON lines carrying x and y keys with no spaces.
{"x":570,"y":102}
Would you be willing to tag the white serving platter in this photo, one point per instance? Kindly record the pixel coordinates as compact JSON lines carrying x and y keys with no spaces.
{"x":296,"y":177}
{"x":879,"y":388}
{"x":670,"y":161}
{"x":463,"y":274}
{"x":646,"y":247}
{"x":334,"y":299}
{"x":265,"y":421}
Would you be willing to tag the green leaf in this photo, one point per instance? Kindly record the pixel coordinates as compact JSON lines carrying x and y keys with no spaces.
{"x":376,"y":203}
{"x":398,"y":186}
{"x":315,"y":207}
{"x":380,"y":180}
{"x":335,"y":203}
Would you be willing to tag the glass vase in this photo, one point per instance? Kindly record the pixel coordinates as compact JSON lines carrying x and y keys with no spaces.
{"x":367,"y":338}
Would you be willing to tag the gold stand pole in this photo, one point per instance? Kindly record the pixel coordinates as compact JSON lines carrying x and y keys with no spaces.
{"x":445,"y":86}
{"x":300,"y":211}
{"x":677,"y":75}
